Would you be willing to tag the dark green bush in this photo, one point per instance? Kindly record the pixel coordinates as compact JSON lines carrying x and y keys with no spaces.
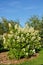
{"x":1,"y":43}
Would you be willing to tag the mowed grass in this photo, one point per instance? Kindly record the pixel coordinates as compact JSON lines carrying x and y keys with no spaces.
{"x":36,"y":61}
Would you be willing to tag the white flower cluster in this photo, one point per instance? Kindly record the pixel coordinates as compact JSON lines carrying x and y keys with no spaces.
{"x":4,"y":37}
{"x":9,"y":24}
{"x":16,"y":26}
{"x":33,"y":50}
{"x":26,"y":54}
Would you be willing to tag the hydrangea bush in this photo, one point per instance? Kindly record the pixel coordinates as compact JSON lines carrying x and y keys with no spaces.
{"x":21,"y":42}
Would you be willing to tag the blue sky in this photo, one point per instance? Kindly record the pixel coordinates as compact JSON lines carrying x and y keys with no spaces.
{"x":20,"y":9}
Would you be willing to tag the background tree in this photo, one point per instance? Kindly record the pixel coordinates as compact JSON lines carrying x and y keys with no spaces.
{"x":5,"y":25}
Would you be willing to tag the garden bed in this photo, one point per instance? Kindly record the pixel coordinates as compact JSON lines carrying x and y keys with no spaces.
{"x":4,"y":59}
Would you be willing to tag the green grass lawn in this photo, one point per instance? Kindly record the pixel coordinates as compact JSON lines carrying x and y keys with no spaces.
{"x":36,"y":61}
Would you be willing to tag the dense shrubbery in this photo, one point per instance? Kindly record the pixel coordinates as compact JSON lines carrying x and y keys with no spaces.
{"x":1,"y":43}
{"x":21,"y":42}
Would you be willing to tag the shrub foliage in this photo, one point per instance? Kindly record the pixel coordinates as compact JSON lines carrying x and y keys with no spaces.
{"x":21,"y":42}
